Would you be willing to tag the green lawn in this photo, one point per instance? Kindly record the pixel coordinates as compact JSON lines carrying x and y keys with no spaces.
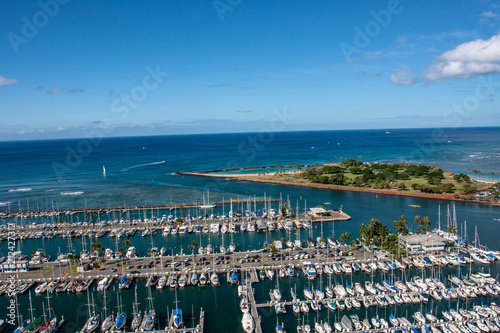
{"x":71,"y":269}
{"x":409,"y":182}
{"x":44,"y":270}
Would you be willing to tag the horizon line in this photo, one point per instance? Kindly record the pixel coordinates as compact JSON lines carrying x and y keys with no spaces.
{"x":254,"y":132}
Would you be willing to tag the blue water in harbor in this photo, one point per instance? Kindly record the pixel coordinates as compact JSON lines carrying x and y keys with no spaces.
{"x":140,"y":170}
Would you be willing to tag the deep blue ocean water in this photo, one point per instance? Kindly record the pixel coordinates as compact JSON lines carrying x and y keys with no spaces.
{"x":140,"y":170}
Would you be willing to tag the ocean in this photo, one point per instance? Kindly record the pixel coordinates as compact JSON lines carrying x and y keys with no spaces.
{"x":140,"y":170}
{"x":66,"y":174}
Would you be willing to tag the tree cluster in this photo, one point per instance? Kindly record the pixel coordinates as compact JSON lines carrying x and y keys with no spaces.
{"x":381,"y":175}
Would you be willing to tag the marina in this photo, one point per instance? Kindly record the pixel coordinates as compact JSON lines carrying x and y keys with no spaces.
{"x":234,"y":166}
{"x":466,"y":288}
{"x":194,"y":255}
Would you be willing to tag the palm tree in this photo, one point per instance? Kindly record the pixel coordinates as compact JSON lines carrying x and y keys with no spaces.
{"x":97,"y":247}
{"x":426,"y":221}
{"x":193,"y":246}
{"x":345,"y":237}
{"x":418,"y":221}
{"x":451,"y":229}
{"x":126,"y":243}
{"x":401,"y":225}
{"x":73,"y":258}
{"x":363,"y":230}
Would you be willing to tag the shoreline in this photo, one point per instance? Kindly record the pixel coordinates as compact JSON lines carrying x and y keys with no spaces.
{"x":249,"y":177}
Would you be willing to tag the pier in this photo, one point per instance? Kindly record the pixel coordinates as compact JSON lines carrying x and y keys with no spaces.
{"x":124,"y":209}
{"x":253,"y":307}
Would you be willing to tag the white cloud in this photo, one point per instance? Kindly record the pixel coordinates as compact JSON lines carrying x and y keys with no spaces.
{"x":460,"y":34}
{"x":53,"y":91}
{"x":466,"y":60}
{"x":489,"y":14}
{"x":6,"y":82}
{"x":402,"y":76}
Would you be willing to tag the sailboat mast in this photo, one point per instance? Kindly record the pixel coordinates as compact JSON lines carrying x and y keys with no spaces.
{"x":439,"y":217}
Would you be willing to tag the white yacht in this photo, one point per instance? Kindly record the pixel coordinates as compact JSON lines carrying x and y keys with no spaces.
{"x":248,"y":323}
{"x":102,"y":284}
{"x":131,"y":252}
{"x":214,"y":228}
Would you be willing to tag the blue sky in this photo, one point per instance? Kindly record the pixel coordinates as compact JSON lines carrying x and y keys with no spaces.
{"x":70,"y":67}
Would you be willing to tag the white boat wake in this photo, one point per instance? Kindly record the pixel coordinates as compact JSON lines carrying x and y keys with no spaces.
{"x":20,"y":190}
{"x":140,"y":166}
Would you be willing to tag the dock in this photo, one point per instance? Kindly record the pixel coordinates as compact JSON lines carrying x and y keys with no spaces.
{"x":123,"y":209}
{"x":253,"y":307}
{"x":59,"y":325}
{"x":254,"y":277}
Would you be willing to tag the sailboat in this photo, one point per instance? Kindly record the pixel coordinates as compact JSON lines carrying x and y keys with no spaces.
{"x":176,"y":320}
{"x":136,"y":322}
{"x":103,"y":170}
{"x":108,"y":321}
{"x":94,"y":320}
{"x":121,"y":319}
{"x":248,"y":323}
{"x":149,"y":320}
{"x":50,"y":326}
{"x":93,"y":323}
{"x":276,"y":291}
{"x":35,"y":323}
{"x":22,"y":327}
{"x":207,"y":204}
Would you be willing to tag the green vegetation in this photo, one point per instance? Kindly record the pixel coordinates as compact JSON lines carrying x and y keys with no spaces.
{"x":45,"y":270}
{"x":377,"y":234}
{"x":401,"y":226}
{"x":274,"y":250}
{"x":421,"y":178}
{"x":284,"y":210}
{"x":345,"y":237}
{"x":374,"y":232}
{"x":71,"y":269}
{"x":73,"y":258}
{"x":467,"y":188}
{"x":423,"y":224}
{"x":193,"y":246}
{"x":98,"y":247}
{"x":451,"y":229}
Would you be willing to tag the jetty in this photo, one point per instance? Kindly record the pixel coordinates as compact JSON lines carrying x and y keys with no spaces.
{"x":122,"y":209}
{"x":253,"y":306}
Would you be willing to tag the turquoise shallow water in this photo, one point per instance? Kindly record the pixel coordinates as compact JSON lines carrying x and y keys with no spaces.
{"x":136,"y":176}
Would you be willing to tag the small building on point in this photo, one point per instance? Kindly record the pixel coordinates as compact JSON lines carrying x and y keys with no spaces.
{"x":429,"y":242}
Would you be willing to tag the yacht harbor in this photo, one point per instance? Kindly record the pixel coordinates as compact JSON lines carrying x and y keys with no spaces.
{"x":296,"y":272}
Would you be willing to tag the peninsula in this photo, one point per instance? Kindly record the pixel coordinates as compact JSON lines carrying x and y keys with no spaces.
{"x":394,"y":178}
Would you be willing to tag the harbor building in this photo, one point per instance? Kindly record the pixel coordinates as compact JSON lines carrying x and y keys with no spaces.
{"x":14,"y":266}
{"x":429,"y":242}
